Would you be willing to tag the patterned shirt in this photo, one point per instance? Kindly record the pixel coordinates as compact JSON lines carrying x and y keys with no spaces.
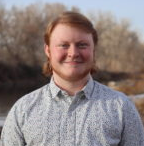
{"x":95,"y":116}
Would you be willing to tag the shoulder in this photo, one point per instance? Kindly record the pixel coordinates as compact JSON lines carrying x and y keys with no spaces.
{"x":28,"y":104}
{"x":107,"y":92}
{"x":31,"y":100}
{"x":109,"y":95}
{"x":114,"y":101}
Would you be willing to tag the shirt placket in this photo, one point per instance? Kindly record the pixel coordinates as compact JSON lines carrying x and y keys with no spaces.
{"x":72,"y":121}
{"x":71,"y":128}
{"x":68,"y":123}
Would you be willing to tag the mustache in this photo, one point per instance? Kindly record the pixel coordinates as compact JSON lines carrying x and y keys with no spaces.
{"x":74,"y":60}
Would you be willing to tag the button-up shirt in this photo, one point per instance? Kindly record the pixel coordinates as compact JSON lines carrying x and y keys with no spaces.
{"x":95,"y":116}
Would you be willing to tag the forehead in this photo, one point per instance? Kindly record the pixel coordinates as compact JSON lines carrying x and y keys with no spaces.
{"x":62,"y":31}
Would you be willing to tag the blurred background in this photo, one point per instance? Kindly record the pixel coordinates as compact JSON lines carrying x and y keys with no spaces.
{"x":120,"y":51}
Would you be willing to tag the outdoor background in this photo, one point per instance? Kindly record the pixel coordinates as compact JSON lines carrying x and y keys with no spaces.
{"x":120,"y":51}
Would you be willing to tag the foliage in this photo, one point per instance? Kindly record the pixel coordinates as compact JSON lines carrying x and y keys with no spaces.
{"x":120,"y":48}
{"x":22,"y":30}
{"x":140,"y":107}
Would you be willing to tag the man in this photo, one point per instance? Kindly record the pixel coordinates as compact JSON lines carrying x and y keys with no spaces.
{"x":73,"y":109}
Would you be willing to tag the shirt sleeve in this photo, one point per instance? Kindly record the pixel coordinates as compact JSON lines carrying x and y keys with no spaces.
{"x":11,"y":132}
{"x":133,"y":130}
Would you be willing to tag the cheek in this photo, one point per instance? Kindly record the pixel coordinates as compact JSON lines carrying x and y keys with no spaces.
{"x":88,"y":55}
{"x":58,"y":55}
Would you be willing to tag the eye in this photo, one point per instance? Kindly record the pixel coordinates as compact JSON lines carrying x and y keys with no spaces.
{"x":82,"y":45}
{"x":64,"y":46}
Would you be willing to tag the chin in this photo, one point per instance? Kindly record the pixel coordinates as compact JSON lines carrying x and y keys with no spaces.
{"x":75,"y":76}
{"x":72,"y":75}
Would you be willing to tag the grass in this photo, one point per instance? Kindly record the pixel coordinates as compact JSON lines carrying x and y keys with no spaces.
{"x":140,"y":107}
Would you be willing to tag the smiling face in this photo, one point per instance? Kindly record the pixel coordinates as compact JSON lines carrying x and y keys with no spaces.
{"x":70,"y":52}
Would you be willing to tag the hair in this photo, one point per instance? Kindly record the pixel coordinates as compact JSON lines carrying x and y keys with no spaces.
{"x":72,"y":19}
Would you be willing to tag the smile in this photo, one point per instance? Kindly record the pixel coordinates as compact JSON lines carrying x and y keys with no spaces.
{"x":73,"y":62}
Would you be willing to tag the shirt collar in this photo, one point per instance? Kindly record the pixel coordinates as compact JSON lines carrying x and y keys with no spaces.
{"x":54,"y":89}
{"x":87,"y":89}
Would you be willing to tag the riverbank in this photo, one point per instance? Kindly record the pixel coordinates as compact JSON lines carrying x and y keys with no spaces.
{"x":2,"y":119}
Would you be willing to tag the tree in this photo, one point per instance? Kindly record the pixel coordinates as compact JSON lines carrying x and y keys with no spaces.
{"x":118,"y":45}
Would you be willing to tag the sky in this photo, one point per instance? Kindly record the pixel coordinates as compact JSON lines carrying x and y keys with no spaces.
{"x":133,"y":10}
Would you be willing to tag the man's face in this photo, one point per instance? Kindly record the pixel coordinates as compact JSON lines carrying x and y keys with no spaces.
{"x":70,"y":52}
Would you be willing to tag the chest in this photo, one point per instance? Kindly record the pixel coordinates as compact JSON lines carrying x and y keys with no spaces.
{"x":85,"y":124}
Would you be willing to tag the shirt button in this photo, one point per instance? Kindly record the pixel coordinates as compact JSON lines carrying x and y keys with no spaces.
{"x":57,"y":98}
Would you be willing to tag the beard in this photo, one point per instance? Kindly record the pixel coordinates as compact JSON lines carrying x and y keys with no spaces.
{"x":72,"y":77}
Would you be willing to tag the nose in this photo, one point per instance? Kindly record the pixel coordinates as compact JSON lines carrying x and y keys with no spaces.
{"x":73,"y":51}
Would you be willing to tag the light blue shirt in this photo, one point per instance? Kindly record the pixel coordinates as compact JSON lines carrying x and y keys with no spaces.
{"x":95,"y":116}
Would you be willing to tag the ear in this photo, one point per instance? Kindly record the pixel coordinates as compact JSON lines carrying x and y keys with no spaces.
{"x":47,"y":50}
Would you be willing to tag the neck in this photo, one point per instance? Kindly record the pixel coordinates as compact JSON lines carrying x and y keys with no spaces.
{"x":71,"y":87}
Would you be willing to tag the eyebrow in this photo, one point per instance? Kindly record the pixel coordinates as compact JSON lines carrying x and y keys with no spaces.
{"x":65,"y":41}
